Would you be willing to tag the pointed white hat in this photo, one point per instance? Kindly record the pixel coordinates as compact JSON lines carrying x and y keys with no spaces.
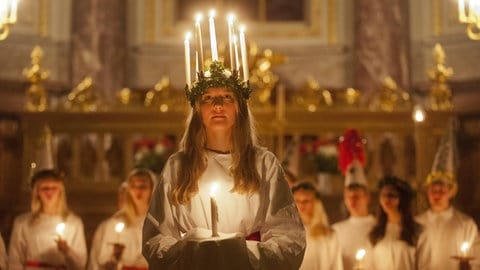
{"x":355,"y":174}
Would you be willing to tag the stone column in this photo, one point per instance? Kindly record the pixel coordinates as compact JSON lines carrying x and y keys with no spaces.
{"x":99,"y":45}
{"x":381,"y":34}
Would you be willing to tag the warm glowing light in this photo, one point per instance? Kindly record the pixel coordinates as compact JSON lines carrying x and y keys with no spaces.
{"x":360,"y":254}
{"x":60,"y":229}
{"x":198,"y":17}
{"x":213,"y":189}
{"x":418,"y":114}
{"x":119,"y":227}
{"x":8,"y":16}
{"x":464,"y":248}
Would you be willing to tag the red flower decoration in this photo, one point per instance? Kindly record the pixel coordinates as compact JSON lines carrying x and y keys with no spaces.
{"x":350,"y":148}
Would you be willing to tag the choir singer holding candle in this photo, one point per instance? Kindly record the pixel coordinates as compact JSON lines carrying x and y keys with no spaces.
{"x":253,"y":198}
{"x":117,"y":243}
{"x":35,"y":242}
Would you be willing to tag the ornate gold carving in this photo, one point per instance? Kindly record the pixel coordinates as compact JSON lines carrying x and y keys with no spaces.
{"x":36,"y":94}
{"x":349,"y":96}
{"x":440,"y":94}
{"x":390,"y":97}
{"x":262,"y":79}
{"x":83,"y":97}
{"x":312,"y":96}
{"x":163,"y":98}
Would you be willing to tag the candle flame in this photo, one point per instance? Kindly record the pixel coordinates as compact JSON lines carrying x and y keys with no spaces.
{"x":360,"y":254}
{"x":211,"y":13}
{"x":231,"y":18}
{"x":119,"y":227}
{"x":198,"y":17}
{"x":418,"y":114}
{"x":213,"y":189}
{"x":60,"y":228}
{"x":242,"y":28}
{"x":464,"y":247}
{"x":188,"y":35}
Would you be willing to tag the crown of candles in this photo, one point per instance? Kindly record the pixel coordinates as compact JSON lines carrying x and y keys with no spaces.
{"x":216,"y":75}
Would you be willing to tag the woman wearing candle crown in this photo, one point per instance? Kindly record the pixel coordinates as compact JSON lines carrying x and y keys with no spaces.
{"x":121,"y":247}
{"x":36,"y":242}
{"x":253,"y":196}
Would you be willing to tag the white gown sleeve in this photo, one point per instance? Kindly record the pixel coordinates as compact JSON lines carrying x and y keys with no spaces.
{"x":160,"y":241}
{"x":17,"y":248}
{"x":282,"y":233}
{"x":76,"y":256}
{"x":3,"y":255}
{"x":95,"y":250}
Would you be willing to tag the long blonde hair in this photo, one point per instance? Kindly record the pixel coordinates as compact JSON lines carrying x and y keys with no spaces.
{"x":193,"y":160}
{"x":36,"y":205}
{"x":129,"y":210}
{"x":319,"y":225}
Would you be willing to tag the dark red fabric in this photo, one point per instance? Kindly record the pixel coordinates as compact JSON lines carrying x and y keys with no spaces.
{"x":46,"y":265}
{"x":255,"y":236}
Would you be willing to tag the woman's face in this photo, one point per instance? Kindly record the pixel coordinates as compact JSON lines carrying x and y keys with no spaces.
{"x":305,"y":201}
{"x":140,"y":190}
{"x":218,"y":107}
{"x":48,"y":191}
{"x":389,"y":200}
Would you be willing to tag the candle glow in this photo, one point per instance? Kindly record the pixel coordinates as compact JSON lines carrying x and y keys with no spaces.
{"x":198,"y":43}
{"x":464,"y":248}
{"x":360,"y":254}
{"x":119,"y":227}
{"x":243,"y":50}
{"x":231,"y":20}
{"x":214,"y":209}
{"x":60,"y":229}
{"x":213,"y":38}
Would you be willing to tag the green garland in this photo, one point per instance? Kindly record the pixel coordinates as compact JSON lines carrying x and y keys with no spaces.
{"x":217,"y":76}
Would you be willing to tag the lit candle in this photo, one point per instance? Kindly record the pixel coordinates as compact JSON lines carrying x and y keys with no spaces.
{"x":13,"y":11}
{"x":243,"y":49}
{"x":231,"y":19}
{"x":119,"y":229}
{"x":213,"y":38}
{"x":198,"y":43}
{"x":359,"y":258}
{"x":235,"y":48}
{"x":187,"y":59}
{"x":214,"y":209}
{"x":60,"y":229}
{"x":464,"y":249}
{"x":461,"y":11}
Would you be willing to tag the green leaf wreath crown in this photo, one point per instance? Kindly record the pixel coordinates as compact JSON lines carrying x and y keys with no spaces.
{"x":217,"y":76}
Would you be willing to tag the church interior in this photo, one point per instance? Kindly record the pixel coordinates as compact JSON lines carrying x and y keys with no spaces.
{"x":96,"y":88}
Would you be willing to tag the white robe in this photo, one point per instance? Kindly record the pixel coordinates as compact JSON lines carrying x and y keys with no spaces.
{"x":322,"y":253}
{"x":270,"y":211}
{"x":36,"y":242}
{"x":3,"y":255}
{"x":392,"y":253}
{"x":353,"y":235}
{"x":445,"y":233}
{"x":105,"y":236}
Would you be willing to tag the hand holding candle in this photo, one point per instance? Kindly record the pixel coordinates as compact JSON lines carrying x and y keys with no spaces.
{"x":214,"y":209}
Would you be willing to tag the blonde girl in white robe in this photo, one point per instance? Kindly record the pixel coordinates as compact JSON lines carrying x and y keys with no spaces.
{"x":35,"y":243}
{"x":219,"y":145}
{"x":138,"y":190}
{"x":323,"y":249}
{"x":396,"y":236}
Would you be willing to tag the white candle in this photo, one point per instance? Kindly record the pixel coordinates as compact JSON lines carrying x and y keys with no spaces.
{"x":187,"y":59}
{"x":464,"y":249}
{"x":60,"y":229}
{"x":235,"y":48}
{"x":13,"y":11}
{"x":119,"y":229}
{"x":198,"y":43}
{"x":243,"y":49}
{"x":213,"y":38}
{"x":231,"y":19}
{"x":214,"y":209}
{"x":359,"y":258}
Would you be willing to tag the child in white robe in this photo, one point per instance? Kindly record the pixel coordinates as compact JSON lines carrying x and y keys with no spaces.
{"x":396,"y":236}
{"x":323,"y":250}
{"x":37,"y":241}
{"x":113,"y":248}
